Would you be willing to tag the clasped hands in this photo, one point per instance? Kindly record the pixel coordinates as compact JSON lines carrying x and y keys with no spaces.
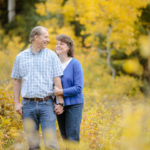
{"x":58,"y":108}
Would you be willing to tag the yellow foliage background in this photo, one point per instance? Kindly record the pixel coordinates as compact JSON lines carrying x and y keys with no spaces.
{"x":116,"y":114}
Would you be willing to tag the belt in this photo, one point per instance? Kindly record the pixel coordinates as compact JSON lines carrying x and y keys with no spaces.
{"x":39,"y":99}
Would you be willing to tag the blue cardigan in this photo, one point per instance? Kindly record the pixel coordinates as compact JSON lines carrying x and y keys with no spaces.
{"x":72,"y":82}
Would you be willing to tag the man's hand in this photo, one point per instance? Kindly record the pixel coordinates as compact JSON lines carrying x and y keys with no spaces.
{"x":57,"y":91}
{"x":18,"y":108}
{"x":58,"y":109}
{"x":17,"y":88}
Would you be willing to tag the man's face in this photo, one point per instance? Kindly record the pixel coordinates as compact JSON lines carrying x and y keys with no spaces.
{"x":42,"y":40}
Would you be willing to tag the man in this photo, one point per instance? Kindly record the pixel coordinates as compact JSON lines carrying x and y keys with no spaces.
{"x":35,"y":72}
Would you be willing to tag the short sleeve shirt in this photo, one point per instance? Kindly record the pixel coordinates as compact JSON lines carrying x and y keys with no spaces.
{"x":37,"y":72}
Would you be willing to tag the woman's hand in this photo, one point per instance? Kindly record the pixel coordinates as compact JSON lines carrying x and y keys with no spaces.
{"x":57,"y":91}
{"x":58,"y":109}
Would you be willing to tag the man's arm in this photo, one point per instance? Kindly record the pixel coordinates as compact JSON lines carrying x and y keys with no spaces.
{"x":59,"y":108}
{"x":17,"y":89}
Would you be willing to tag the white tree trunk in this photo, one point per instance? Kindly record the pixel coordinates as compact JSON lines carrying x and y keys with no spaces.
{"x":108,"y":52}
{"x":11,"y":10}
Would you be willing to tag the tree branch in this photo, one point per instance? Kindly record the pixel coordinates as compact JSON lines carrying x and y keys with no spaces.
{"x":101,"y":50}
{"x":109,"y":52}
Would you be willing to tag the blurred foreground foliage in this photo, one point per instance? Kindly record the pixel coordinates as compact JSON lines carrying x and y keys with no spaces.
{"x":10,"y":122}
{"x":115,"y":109}
{"x":116,"y":117}
{"x":116,"y":114}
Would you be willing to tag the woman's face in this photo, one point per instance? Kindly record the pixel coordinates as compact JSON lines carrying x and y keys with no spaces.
{"x":61,"y":48}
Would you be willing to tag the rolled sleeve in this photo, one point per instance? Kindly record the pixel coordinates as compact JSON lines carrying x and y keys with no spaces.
{"x":15,"y":72}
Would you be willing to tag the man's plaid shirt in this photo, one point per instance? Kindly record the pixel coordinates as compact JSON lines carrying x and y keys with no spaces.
{"x":37,"y":72}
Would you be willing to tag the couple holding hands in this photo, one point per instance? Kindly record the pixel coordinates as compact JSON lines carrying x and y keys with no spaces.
{"x":40,"y":74}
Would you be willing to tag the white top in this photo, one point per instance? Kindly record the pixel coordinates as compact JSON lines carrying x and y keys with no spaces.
{"x":64,"y":65}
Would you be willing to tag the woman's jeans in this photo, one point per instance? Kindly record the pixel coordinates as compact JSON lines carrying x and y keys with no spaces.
{"x":69,"y":122}
{"x":37,"y":113}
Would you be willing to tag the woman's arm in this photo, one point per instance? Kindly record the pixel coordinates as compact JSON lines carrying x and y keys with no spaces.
{"x":78,"y":83}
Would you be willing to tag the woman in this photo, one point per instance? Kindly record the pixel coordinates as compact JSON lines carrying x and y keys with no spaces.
{"x":72,"y":82}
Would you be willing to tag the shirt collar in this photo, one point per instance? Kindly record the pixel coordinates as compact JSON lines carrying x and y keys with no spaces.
{"x":33,"y":52}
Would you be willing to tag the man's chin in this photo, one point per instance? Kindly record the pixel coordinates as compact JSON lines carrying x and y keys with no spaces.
{"x":44,"y":47}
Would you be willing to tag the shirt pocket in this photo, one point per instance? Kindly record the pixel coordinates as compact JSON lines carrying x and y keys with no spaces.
{"x":24,"y":68}
{"x":44,"y":65}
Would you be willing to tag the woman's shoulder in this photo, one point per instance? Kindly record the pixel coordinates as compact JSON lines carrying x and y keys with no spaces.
{"x":75,"y":61}
{"x":76,"y":64}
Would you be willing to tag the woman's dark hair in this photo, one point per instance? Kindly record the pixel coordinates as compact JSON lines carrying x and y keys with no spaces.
{"x":66,"y":39}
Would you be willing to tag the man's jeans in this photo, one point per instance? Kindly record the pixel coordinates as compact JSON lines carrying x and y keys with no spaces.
{"x":69,"y":122}
{"x":35,"y":113}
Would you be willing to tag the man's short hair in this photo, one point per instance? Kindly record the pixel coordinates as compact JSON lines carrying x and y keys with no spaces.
{"x":36,"y":31}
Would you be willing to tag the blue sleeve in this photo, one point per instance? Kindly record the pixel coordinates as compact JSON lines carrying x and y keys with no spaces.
{"x":78,"y":81}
